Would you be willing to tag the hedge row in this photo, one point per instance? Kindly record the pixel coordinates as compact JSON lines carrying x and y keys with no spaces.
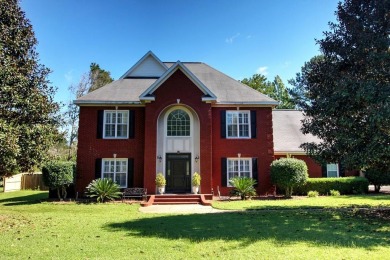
{"x":345,"y":185}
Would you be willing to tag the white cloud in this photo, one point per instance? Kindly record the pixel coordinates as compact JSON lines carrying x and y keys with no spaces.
{"x":249,"y":36}
{"x":286,"y":64}
{"x":69,"y":76}
{"x":231,"y":39}
{"x":262,"y":70}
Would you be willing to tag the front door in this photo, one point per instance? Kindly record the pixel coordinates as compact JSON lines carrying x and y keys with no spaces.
{"x":178,"y":173}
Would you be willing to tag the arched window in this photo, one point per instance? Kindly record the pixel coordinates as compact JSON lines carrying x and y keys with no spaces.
{"x":178,"y":123}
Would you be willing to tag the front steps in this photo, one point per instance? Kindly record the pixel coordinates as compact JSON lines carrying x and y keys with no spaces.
{"x":174,"y":199}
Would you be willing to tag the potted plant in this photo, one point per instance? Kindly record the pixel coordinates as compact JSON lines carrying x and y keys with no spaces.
{"x":195,"y":182}
{"x":160,"y":182}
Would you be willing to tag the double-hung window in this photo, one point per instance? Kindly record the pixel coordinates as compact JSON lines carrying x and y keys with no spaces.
{"x":332,"y":170}
{"x":116,"y":170}
{"x":238,"y":167}
{"x":238,"y":124}
{"x":116,"y":123}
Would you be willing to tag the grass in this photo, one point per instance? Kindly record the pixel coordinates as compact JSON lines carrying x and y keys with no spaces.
{"x":33,"y":230}
{"x":375,"y":200}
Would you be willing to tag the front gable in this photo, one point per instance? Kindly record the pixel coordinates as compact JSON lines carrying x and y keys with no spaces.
{"x":149,"y":66}
{"x":148,"y":95}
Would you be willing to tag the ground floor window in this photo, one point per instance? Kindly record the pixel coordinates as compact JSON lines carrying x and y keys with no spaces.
{"x":238,"y":167}
{"x":115,"y":169}
{"x":332,"y":170}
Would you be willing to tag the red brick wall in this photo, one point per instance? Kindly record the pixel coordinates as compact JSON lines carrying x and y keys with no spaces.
{"x":90,"y":148}
{"x":261,"y":147}
{"x":178,"y":86}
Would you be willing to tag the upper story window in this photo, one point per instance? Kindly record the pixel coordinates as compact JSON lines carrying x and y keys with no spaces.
{"x":116,"y":123}
{"x":238,"y":168}
{"x":332,"y":170}
{"x":178,"y":123}
{"x":116,"y":170}
{"x":238,"y":124}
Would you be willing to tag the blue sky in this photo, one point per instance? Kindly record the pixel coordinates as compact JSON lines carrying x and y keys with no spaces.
{"x":237,"y":37}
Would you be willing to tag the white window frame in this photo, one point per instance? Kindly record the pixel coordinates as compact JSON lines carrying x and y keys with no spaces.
{"x":115,"y":161}
{"x":239,"y":161}
{"x":238,"y":112}
{"x":116,"y":123}
{"x":337,"y":170}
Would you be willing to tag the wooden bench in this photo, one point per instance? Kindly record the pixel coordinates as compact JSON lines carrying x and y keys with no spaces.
{"x":134,"y":193}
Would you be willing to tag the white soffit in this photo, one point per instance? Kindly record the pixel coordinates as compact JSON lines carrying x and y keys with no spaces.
{"x":149,"y":66}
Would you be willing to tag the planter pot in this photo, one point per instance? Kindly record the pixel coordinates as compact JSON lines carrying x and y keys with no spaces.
{"x":161,"y":190}
{"x":195,"y":189}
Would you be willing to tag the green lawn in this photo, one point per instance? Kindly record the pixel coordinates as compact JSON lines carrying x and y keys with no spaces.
{"x":33,"y":230}
{"x":371,"y":200}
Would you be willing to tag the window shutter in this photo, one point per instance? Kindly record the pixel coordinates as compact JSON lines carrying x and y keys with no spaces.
{"x":100,"y":124}
{"x":224,"y":172}
{"x":255,"y":171}
{"x":131,"y":124}
{"x":98,"y":168}
{"x":130,"y":172}
{"x":223,"y":124}
{"x":324,"y":171}
{"x":341,"y":169}
{"x":253,"y":124}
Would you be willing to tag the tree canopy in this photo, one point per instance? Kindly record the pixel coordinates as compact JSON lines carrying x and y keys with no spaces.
{"x":28,"y":113}
{"x":98,"y":77}
{"x":275,"y":89}
{"x":345,"y":92}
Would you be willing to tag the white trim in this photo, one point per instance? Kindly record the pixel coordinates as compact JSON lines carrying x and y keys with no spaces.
{"x":239,"y":159}
{"x":290,"y":153}
{"x":115,"y":160}
{"x":135,"y":66}
{"x":116,"y":124}
{"x":248,"y":112}
{"x":178,"y":65}
{"x":105,"y":103}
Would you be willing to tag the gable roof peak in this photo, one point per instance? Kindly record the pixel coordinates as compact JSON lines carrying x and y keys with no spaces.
{"x":149,"y":66}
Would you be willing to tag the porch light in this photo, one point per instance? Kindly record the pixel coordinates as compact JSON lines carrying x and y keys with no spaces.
{"x":239,"y":155}
{"x":159,"y":158}
{"x":114,"y":155}
{"x":197,"y":158}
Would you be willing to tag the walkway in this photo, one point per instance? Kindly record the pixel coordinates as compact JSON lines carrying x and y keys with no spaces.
{"x":181,"y":208}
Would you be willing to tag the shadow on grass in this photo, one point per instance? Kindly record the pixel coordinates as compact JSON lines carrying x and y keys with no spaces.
{"x":25,"y":199}
{"x":321,"y":228}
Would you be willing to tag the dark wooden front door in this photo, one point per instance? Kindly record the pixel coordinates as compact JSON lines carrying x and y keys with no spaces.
{"x":178,"y":167}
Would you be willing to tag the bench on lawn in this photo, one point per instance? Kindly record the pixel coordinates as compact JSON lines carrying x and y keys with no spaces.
{"x":134,"y":193}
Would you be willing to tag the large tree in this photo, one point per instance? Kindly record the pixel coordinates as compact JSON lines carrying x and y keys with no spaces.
{"x":98,"y":77}
{"x":28,"y":113}
{"x":345,"y":92}
{"x":275,"y":89}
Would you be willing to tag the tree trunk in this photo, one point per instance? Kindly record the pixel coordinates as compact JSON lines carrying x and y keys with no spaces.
{"x":377,"y":188}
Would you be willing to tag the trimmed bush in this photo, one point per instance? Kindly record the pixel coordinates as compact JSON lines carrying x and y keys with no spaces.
{"x":103,"y":190}
{"x":377,"y":178}
{"x":58,"y":175}
{"x":334,"y":193}
{"x":313,"y":194}
{"x":287,"y":173}
{"x":345,"y":185}
{"x":243,"y":187}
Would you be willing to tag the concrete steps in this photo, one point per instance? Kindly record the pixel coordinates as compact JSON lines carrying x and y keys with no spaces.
{"x":174,"y":199}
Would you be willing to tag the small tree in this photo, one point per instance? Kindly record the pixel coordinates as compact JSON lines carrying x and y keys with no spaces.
{"x":243,"y":187}
{"x":58,"y":175}
{"x":377,"y":178}
{"x":288,"y":173}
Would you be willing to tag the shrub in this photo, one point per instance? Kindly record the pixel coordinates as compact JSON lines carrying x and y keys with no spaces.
{"x":377,"y":178}
{"x":103,"y":190}
{"x":160,"y":180}
{"x":243,"y":187}
{"x":58,"y":175}
{"x":196,"y":179}
{"x":312,"y":194}
{"x":334,"y":193}
{"x":287,"y":173}
{"x":345,"y":185}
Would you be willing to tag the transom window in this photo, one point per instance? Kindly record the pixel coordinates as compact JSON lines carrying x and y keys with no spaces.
{"x":332,"y":170}
{"x":238,"y":124}
{"x":116,"y":123}
{"x":178,"y":123}
{"x":238,"y":168}
{"x":116,"y":170}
